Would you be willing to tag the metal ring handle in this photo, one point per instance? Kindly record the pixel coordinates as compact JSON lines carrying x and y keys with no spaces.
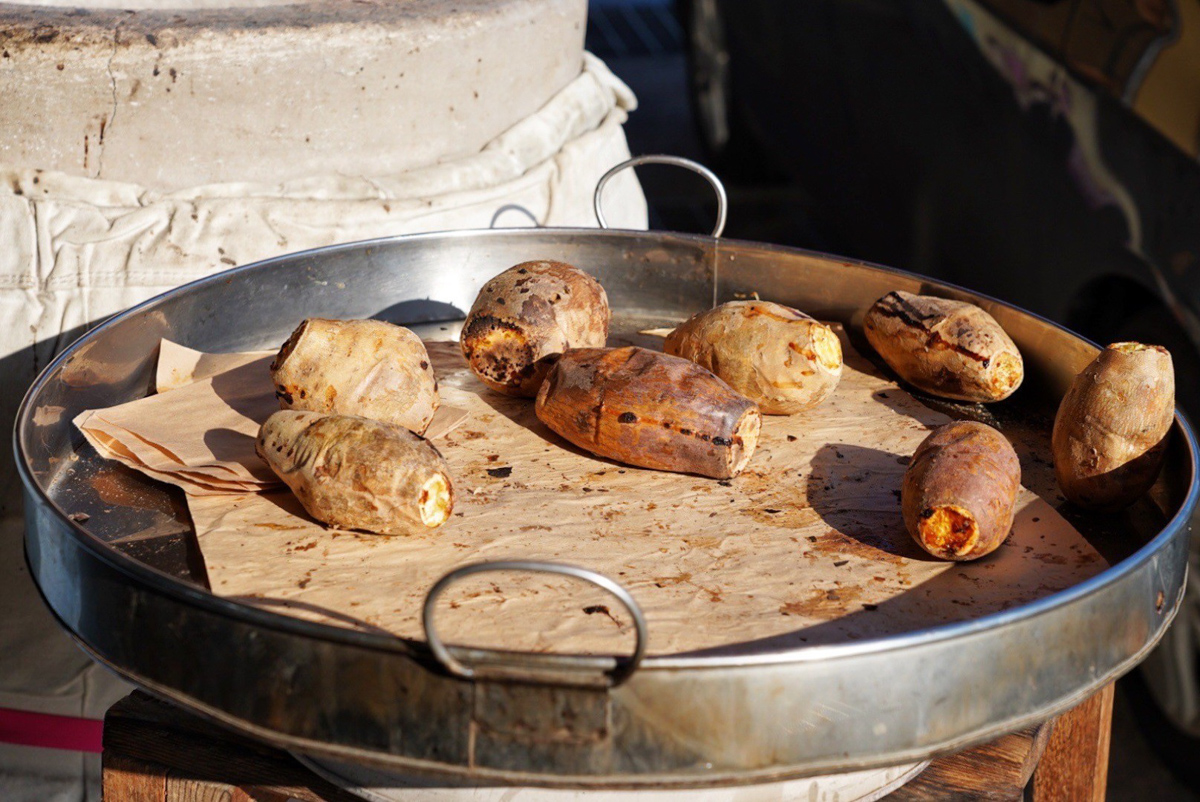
{"x":624,"y":668}
{"x":678,"y":161}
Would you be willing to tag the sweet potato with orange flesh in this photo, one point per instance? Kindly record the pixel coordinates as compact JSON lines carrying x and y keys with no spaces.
{"x":946,"y":348}
{"x":649,"y":409}
{"x":357,"y":367}
{"x":1110,"y":432}
{"x":781,"y":359}
{"x":355,"y":473}
{"x":527,"y":315}
{"x":960,"y":490}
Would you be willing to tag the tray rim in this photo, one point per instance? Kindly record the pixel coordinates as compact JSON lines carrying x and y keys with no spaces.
{"x":166,"y":584}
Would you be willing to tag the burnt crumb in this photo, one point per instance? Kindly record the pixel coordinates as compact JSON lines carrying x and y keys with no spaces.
{"x":500,"y":473}
{"x":724,"y":483}
{"x":79,"y":517}
{"x":596,"y":608}
{"x":722,"y":441}
{"x":586,"y":489}
{"x":284,"y":396}
{"x":903,"y":460}
{"x":839,"y":454}
{"x":705,"y":437}
{"x":812,"y":538}
{"x":870,"y":607}
{"x":522,"y":271}
{"x":1035,"y":520}
{"x":424,"y":365}
{"x":493,"y":457}
{"x":770,"y":511}
{"x":627,"y":417}
{"x":840,"y":563}
{"x":791,"y":438}
{"x":500,"y":301}
{"x":685,"y":432}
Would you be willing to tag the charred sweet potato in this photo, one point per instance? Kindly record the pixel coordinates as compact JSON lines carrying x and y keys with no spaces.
{"x":357,"y":367}
{"x":946,"y":348}
{"x":1110,"y":432}
{"x":959,"y":491}
{"x":781,"y":359}
{"x":355,"y":473}
{"x":649,"y":409}
{"x":527,"y":314}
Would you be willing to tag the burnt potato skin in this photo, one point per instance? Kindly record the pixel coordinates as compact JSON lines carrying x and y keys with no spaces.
{"x":783,"y":360}
{"x":357,"y":367}
{"x":1110,"y":433}
{"x":649,"y":409}
{"x":960,"y":490}
{"x":355,"y":473}
{"x":950,"y":349}
{"x":527,"y":315}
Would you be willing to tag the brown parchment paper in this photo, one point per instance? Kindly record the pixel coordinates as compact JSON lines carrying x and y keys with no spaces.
{"x":805,"y":547}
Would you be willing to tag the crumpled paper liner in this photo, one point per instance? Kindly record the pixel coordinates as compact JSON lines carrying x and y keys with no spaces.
{"x":198,"y":432}
{"x":806,"y":547}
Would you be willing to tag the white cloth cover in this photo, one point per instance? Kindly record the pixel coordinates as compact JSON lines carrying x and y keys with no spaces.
{"x":75,"y":250}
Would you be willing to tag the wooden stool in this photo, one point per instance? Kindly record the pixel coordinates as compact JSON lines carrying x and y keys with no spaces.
{"x":154,"y":752}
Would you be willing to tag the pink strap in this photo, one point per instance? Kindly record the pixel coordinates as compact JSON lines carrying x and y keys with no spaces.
{"x":49,"y":731}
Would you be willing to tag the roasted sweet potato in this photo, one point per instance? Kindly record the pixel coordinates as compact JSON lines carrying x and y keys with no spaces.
{"x":959,"y":491}
{"x":781,"y":359}
{"x":1110,"y":432}
{"x":357,"y":367}
{"x":649,"y":409}
{"x":355,"y":473}
{"x":527,"y":315}
{"x":946,"y":348}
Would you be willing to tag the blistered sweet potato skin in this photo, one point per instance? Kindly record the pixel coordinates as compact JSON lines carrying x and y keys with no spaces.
{"x":357,"y":367}
{"x":354,"y":473}
{"x":525,"y":316}
{"x":1111,"y":429}
{"x":962,"y":467}
{"x":649,"y":409}
{"x":780,"y":358}
{"x":945,"y":348}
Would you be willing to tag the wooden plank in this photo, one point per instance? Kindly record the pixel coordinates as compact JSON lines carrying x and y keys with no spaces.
{"x":998,"y":770}
{"x":198,"y":761}
{"x":1075,"y":765}
{"x":127,"y":779}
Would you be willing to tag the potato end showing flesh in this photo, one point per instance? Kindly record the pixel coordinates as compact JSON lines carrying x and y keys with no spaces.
{"x":827,"y":347}
{"x":1133,"y":348}
{"x":498,"y":351}
{"x":1007,"y":375}
{"x":744,"y":441}
{"x":947,"y":531}
{"x":436,"y":501}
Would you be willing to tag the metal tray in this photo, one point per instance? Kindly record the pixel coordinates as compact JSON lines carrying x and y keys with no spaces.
{"x":128,"y":584}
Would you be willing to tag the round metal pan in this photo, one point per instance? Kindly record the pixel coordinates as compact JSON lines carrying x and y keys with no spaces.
{"x":127,"y":582}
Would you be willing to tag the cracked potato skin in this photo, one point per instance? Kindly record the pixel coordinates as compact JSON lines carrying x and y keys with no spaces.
{"x":960,"y":491}
{"x":354,"y":473}
{"x":357,"y":367}
{"x":649,"y":409}
{"x":945,"y":348}
{"x":525,"y":316}
{"x":783,"y":360}
{"x":1111,"y":429}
